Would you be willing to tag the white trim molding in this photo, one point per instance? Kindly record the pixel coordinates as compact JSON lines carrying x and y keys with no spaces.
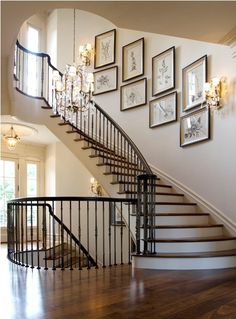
{"x":203,"y":204}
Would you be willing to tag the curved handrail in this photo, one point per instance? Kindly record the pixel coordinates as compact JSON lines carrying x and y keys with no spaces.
{"x":39,"y":54}
{"x":107,"y":132}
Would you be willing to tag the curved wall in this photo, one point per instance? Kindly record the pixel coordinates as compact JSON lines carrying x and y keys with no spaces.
{"x":206,"y":168}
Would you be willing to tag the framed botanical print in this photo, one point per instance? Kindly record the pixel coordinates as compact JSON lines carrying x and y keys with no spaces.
{"x":194,"y":77}
{"x":133,"y":60}
{"x":163,"y":110}
{"x":195,"y":127}
{"x":105,"y":80}
{"x":163,"y":71}
{"x":133,"y":94}
{"x":105,"y":49}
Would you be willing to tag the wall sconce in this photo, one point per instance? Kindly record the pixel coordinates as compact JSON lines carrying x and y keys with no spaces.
{"x":213,"y":93}
{"x":95,"y":187}
{"x":86,"y":53}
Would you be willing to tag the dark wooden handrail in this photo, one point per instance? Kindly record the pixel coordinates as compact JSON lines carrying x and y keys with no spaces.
{"x":38,"y":54}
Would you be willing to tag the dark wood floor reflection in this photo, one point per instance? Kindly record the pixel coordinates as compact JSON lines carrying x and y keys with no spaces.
{"x":116,"y":292}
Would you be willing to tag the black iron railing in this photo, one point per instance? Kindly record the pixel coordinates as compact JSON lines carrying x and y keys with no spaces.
{"x":70,"y":232}
{"x":101,"y":133}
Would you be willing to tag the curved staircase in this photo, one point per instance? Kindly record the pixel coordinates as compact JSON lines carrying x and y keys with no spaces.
{"x":174,"y":233}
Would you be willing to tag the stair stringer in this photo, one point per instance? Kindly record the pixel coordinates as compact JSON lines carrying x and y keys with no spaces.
{"x":30,"y":110}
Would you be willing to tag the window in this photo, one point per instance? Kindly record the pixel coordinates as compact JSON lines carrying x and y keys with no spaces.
{"x":32,"y":64}
{"x":7,"y":187}
{"x":32,"y":191}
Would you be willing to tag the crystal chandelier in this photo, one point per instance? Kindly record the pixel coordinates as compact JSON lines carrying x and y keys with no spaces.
{"x":74,"y":90}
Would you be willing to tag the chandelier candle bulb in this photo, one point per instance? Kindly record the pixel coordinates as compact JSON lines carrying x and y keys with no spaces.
{"x":55,"y":75}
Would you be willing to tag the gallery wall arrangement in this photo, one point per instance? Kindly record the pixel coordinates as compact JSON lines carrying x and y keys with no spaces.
{"x":163,"y":106}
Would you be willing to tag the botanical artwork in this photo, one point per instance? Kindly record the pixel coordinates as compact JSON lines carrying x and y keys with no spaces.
{"x":194,"y":78}
{"x":105,"y":80}
{"x":105,"y":48}
{"x":133,"y":59}
{"x":195,"y":127}
{"x":163,"y":76}
{"x":163,"y":110}
{"x":133,"y":94}
{"x":195,"y":85}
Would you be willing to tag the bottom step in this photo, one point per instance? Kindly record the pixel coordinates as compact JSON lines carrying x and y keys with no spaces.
{"x":187,"y":261}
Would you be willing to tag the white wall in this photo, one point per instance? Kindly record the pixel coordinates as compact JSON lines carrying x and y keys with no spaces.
{"x":72,"y":178}
{"x":38,"y":21}
{"x":50,"y":170}
{"x":51,"y":37}
{"x":207,"y":168}
{"x":65,"y":175}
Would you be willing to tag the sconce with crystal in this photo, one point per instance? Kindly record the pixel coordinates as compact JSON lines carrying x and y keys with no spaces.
{"x":95,"y":187}
{"x":213,"y":93}
{"x":86,"y":53}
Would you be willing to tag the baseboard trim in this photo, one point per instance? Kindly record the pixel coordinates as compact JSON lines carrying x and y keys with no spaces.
{"x":202,"y":202}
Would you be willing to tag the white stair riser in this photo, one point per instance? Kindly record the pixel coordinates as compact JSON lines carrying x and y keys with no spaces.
{"x":184,"y":263}
{"x":170,"y":198}
{"x":180,"y":220}
{"x":159,"y":189}
{"x":175,"y":233}
{"x":194,"y":246}
{"x":180,"y":209}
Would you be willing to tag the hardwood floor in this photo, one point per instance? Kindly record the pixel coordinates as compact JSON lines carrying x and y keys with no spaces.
{"x":117,"y":292}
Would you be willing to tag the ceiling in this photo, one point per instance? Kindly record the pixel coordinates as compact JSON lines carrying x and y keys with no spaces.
{"x":211,"y":21}
{"x":42,"y":135}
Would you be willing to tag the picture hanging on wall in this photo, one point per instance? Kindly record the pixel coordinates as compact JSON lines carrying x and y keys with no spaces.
{"x":133,"y":60}
{"x":133,"y":94}
{"x":105,"y":80}
{"x":163,"y":71}
{"x":163,"y":110}
{"x":194,"y":77}
{"x":195,"y":127}
{"x":105,"y":49}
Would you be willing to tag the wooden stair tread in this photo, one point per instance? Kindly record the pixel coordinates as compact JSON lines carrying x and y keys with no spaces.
{"x":157,"y":185}
{"x":177,"y":214}
{"x":172,"y":203}
{"x":192,"y":239}
{"x":121,"y":174}
{"x":46,"y":107}
{"x":222,"y":253}
{"x":186,"y":226}
{"x":129,"y":166}
{"x":64,"y":123}
{"x":132,"y":183}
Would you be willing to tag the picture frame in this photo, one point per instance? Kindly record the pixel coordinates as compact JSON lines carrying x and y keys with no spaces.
{"x":194,"y":77}
{"x":105,"y":49}
{"x":163,"y":110}
{"x":163,"y":71}
{"x":133,"y":60}
{"x":105,"y":80}
{"x":133,"y":94}
{"x":195,"y":127}
{"x":115,"y":217}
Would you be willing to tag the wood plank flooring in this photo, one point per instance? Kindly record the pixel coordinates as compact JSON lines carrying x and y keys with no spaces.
{"x":118,"y":292}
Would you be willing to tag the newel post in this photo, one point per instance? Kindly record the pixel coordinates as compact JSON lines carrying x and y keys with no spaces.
{"x":145,"y":211}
